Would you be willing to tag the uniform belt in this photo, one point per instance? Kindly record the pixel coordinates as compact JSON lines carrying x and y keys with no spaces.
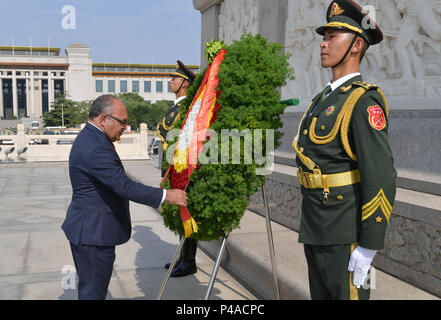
{"x":316,"y":180}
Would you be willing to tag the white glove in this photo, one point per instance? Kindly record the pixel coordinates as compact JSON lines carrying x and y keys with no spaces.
{"x":360,"y":262}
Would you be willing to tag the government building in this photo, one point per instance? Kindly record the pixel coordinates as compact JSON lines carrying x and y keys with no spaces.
{"x":32,"y":77}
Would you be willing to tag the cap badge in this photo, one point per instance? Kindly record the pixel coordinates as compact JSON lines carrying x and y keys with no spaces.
{"x":335,"y":10}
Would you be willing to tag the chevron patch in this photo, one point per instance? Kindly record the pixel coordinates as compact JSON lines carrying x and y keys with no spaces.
{"x":379,"y":201}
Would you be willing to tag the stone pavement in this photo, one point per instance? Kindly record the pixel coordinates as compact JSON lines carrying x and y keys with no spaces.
{"x":36,"y":262}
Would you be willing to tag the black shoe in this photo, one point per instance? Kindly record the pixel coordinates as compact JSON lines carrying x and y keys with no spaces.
{"x":167,"y":265}
{"x":183,"y":269}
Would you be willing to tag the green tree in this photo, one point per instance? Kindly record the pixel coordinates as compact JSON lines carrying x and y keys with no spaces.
{"x":137,"y":108}
{"x":157,"y":111}
{"x":140,"y":111}
{"x":70,"y":112}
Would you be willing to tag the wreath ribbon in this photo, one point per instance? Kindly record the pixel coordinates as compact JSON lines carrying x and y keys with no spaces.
{"x":200,"y":116}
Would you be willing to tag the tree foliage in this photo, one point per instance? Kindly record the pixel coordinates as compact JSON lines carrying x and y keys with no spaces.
{"x":140,"y":111}
{"x":74,"y":113}
{"x":249,"y":76}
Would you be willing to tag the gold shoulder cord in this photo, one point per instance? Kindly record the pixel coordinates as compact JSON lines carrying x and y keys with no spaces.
{"x":305,"y":160}
{"x":168,"y":128}
{"x":341,"y":124}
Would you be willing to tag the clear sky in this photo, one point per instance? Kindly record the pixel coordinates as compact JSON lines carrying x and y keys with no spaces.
{"x":118,"y":31}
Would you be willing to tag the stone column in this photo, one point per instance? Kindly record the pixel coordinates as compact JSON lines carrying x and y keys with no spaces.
{"x":20,"y":142}
{"x":14,"y":95}
{"x":1,"y":99}
{"x":210,"y":23}
{"x":32,"y":97}
{"x":143,"y":141}
{"x":28,"y":98}
{"x":50,"y":89}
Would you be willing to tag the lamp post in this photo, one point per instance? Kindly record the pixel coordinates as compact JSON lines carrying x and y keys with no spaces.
{"x":62,"y":115}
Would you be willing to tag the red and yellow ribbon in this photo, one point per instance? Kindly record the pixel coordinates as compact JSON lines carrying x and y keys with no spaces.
{"x":200,"y":116}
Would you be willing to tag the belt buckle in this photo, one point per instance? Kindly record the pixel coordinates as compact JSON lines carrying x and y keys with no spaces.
{"x":305,"y":180}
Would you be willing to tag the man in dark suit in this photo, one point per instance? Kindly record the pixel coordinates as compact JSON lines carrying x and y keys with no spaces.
{"x":98,"y":217}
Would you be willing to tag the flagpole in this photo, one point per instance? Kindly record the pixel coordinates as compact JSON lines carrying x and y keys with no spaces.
{"x":13,"y":45}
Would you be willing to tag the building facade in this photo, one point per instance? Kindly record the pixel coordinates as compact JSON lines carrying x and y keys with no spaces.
{"x":32,"y":77}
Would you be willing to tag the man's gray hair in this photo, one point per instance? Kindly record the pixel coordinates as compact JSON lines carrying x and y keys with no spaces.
{"x":103,"y":104}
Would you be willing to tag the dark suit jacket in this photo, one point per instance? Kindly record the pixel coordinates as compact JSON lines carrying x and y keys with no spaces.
{"x":99,"y":212}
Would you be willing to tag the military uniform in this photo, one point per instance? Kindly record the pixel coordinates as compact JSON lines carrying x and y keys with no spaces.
{"x":172,"y":115}
{"x":347,"y":176}
{"x":167,"y":123}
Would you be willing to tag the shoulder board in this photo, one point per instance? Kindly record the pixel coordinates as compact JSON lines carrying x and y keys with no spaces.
{"x":313,"y":99}
{"x":366,"y":85}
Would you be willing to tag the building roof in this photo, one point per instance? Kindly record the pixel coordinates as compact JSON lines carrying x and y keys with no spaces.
{"x":6,"y":49}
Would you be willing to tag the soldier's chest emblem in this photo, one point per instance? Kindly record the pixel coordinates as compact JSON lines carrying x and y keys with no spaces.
{"x":172,"y":114}
{"x":376,"y":117}
{"x":330,"y":110}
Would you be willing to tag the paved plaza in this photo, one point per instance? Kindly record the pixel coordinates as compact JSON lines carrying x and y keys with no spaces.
{"x":36,"y":261}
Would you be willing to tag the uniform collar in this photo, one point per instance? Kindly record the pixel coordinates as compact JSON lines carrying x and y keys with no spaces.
{"x":175,"y":102}
{"x":337,"y":83}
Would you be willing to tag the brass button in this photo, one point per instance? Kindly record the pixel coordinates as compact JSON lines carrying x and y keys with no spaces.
{"x":305,"y":132}
{"x":340,"y":197}
{"x":301,"y":149}
{"x":322,"y":127}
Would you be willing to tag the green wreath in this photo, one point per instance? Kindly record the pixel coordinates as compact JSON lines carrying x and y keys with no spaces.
{"x":218,"y":194}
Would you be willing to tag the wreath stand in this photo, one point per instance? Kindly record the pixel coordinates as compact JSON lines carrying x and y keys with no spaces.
{"x":221,"y":254}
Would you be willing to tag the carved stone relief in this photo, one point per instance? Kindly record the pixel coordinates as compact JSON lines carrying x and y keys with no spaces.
{"x":407,"y":62}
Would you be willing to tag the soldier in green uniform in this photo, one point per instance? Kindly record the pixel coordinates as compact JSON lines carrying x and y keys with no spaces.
{"x":346,"y":168}
{"x":181,"y":80}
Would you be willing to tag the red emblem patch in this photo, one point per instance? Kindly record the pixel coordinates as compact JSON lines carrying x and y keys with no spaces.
{"x":376,"y":117}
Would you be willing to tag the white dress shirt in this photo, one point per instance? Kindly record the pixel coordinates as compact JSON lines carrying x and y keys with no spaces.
{"x":337,"y":83}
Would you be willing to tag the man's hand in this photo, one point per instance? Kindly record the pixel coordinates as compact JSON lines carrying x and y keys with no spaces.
{"x":176,"y":196}
{"x":360,"y":262}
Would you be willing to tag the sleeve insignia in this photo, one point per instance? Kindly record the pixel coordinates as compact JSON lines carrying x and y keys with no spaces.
{"x":378,"y":219}
{"x":377,"y":120}
{"x":379,"y":201}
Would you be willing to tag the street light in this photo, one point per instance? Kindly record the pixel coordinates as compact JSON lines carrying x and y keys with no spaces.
{"x":62,"y":115}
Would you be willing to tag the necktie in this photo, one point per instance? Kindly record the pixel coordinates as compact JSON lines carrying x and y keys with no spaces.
{"x":322,"y":97}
